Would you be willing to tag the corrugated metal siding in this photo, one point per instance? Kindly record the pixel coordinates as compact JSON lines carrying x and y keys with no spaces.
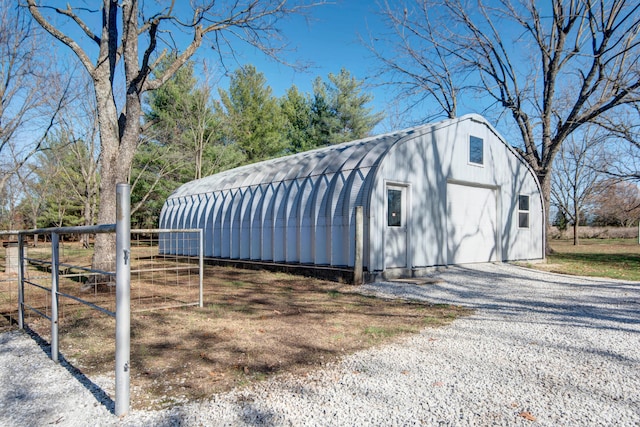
{"x":301,"y":208}
{"x":295,"y":209}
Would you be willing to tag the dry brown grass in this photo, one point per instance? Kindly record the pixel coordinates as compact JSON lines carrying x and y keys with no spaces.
{"x":254,"y":324}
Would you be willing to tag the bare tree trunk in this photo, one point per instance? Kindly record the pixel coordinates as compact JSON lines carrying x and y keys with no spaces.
{"x":87,"y":215}
{"x":576,"y":210}
{"x":117,"y":155}
{"x":575,"y":228}
{"x":105,"y":244}
{"x":544,"y":177}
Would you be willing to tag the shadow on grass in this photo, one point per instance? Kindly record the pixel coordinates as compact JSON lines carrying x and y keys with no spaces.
{"x":627,"y":259}
{"x":615,"y":265}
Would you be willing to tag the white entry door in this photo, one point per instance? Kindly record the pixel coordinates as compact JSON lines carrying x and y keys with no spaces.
{"x":473,"y":226}
{"x":396,"y":227}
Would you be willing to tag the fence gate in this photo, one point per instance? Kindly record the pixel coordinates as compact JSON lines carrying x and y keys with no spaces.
{"x":57,"y":283}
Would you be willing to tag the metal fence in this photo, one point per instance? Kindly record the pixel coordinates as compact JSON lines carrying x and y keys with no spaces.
{"x":57,"y":283}
{"x":40,"y":297}
{"x":8,"y":279}
{"x":160,"y":280}
{"x":60,"y":290}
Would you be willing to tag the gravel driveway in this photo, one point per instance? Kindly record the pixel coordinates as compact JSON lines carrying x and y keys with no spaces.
{"x":541,"y":350}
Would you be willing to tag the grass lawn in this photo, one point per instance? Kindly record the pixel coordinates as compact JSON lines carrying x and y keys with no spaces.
{"x":614,"y":258}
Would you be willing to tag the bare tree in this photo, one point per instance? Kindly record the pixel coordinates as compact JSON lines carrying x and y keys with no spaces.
{"x":9,"y":199}
{"x":130,"y":36}
{"x":551,"y":66}
{"x":576,"y":175}
{"x":66,"y":165}
{"x":622,"y":159}
{"x":31,"y":93}
{"x":80,"y":127}
{"x":415,"y":61}
{"x":616,"y":203}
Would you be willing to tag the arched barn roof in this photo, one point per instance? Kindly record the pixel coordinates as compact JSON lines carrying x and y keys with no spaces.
{"x":363,"y":153}
{"x":297,"y":208}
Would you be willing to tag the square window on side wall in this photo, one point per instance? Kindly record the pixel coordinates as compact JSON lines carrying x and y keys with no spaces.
{"x":476,"y":150}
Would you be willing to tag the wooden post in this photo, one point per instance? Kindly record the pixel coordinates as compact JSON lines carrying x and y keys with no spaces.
{"x":357,"y":268}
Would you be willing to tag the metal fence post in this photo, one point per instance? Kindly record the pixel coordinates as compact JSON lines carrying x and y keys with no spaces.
{"x":201,"y":265}
{"x":55,"y":271}
{"x":123,"y":296}
{"x":21,"y":272}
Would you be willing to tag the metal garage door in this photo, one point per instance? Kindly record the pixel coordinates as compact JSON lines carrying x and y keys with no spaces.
{"x":472,"y":224}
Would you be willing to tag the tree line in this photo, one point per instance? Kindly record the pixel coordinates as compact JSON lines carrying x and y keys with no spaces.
{"x":191,"y":131}
{"x":586,"y":191}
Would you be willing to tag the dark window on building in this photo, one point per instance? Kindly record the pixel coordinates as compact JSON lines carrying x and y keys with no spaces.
{"x":523,"y":211}
{"x":476,"y":150}
{"x":394,"y":208}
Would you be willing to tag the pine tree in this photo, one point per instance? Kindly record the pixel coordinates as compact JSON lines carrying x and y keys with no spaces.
{"x":296,"y":108}
{"x":339,"y":111}
{"x":253,"y":120}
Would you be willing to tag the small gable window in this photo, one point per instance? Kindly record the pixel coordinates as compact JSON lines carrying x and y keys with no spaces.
{"x":523,"y":211}
{"x":476,"y":150}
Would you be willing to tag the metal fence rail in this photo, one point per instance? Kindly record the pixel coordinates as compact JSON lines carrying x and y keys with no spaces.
{"x":55,"y":264}
{"x":54,"y":284}
{"x":122,"y":275}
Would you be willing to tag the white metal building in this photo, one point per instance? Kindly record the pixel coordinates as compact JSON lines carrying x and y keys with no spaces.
{"x":452,"y":192}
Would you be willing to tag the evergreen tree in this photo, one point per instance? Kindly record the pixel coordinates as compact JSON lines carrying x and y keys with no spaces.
{"x":253,"y":119}
{"x":157,"y":170}
{"x":339,"y":111}
{"x":182,"y":119}
{"x":183,"y":141}
{"x":296,"y":108}
{"x":66,"y":195}
{"x":324,"y":123}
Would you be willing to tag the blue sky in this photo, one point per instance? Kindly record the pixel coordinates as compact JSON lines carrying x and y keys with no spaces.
{"x":328,"y":39}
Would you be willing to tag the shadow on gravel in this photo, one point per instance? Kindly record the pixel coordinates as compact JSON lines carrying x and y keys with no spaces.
{"x":255,"y":417}
{"x":99,"y":394}
{"x":572,"y":301}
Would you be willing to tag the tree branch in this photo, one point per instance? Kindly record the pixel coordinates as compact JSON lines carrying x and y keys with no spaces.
{"x":34,"y":9}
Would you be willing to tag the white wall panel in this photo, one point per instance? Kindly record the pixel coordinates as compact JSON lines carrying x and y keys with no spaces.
{"x":306,"y":221}
{"x":226,"y":224}
{"x":236,"y":222}
{"x":207,"y":224}
{"x":279,"y":236}
{"x":268,"y":207}
{"x":292,"y":231}
{"x":246,"y":223}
